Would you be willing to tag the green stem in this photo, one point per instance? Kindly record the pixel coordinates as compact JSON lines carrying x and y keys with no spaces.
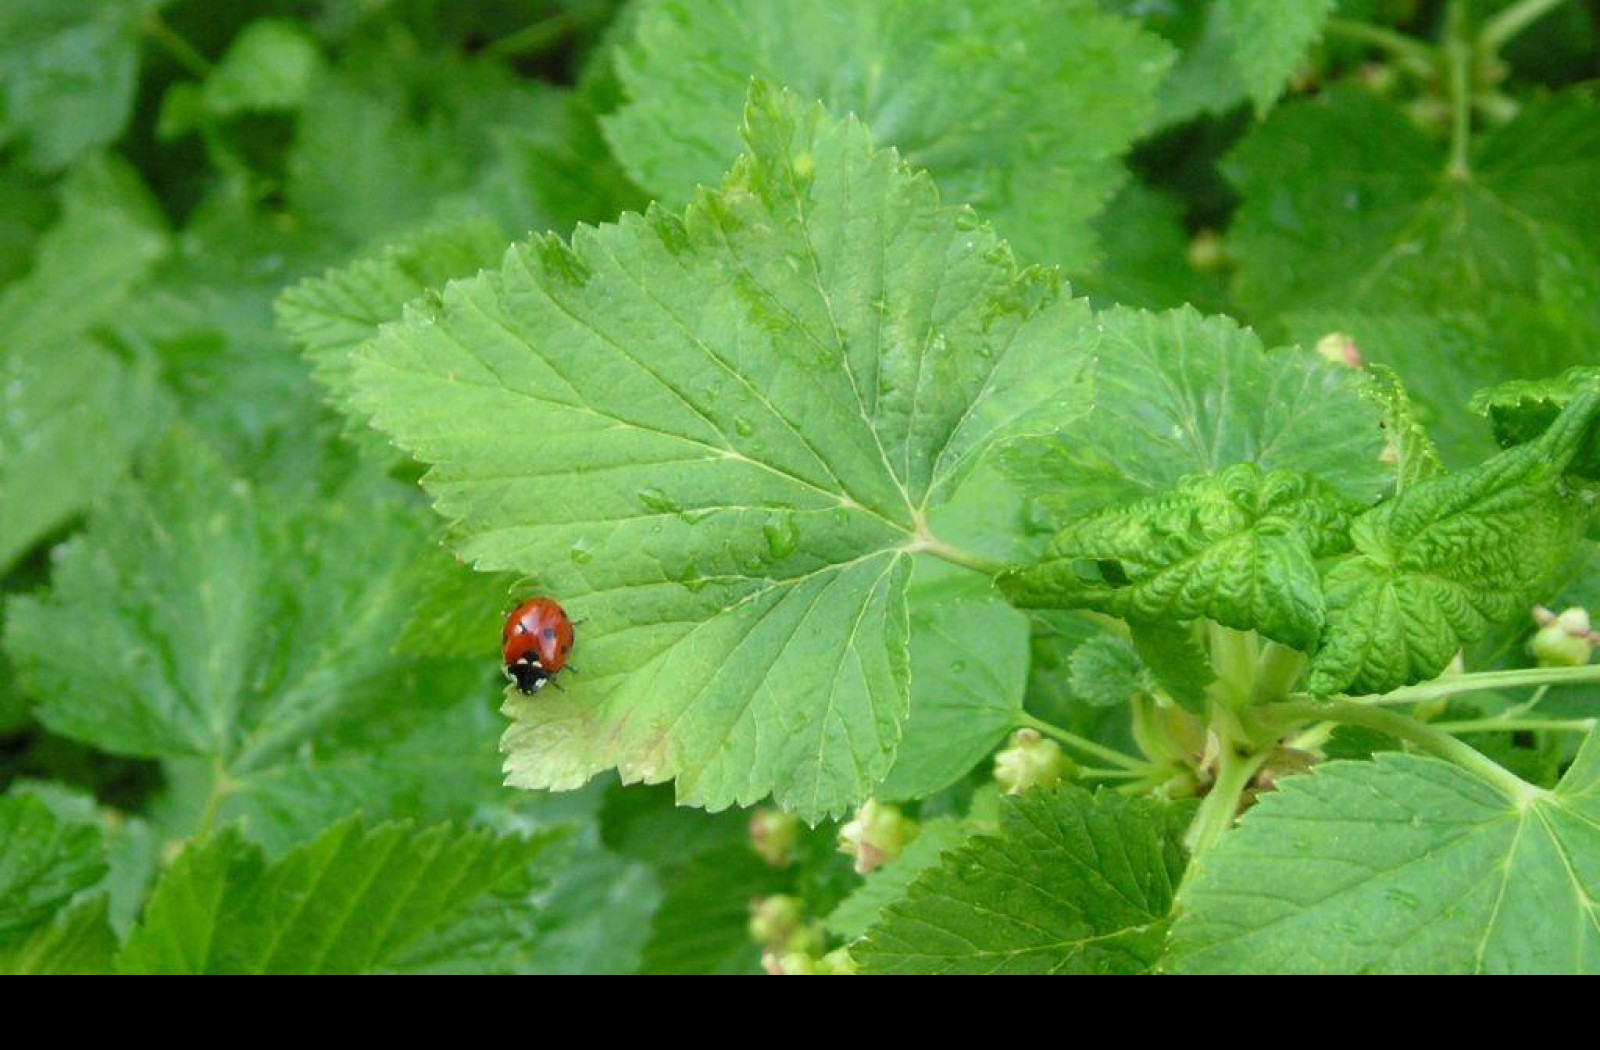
{"x":534,"y":39}
{"x":1110,"y":774}
{"x":1216,"y":814}
{"x":183,"y":52}
{"x":1428,"y":738}
{"x":1458,"y":62}
{"x":1276,"y":672}
{"x":1502,"y":724}
{"x":221,"y":787}
{"x":1233,"y":656}
{"x":1411,"y":54}
{"x":1084,"y":744}
{"x":956,"y":556}
{"x":1485,"y":680}
{"x":1498,"y":31}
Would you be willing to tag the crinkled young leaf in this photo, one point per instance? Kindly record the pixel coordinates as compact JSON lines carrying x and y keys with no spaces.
{"x":78,"y":941}
{"x":44,"y":861}
{"x":1443,"y":561}
{"x":354,"y":900}
{"x":1051,"y":93}
{"x":1072,"y":883}
{"x":713,"y":436}
{"x":1416,"y":458}
{"x":888,"y":884}
{"x":1404,"y":864}
{"x":969,"y":666}
{"x":68,"y":70}
{"x":1177,"y":394}
{"x":70,"y":412}
{"x":1239,"y":547}
{"x":329,"y":316}
{"x":1348,"y":204}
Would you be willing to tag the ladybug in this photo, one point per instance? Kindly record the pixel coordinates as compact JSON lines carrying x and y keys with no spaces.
{"x":535,"y":643}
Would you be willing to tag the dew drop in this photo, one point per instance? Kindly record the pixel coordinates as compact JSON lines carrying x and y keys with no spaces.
{"x":655,"y":500}
{"x":581,"y":552}
{"x":743,"y":427}
{"x":782,"y":534}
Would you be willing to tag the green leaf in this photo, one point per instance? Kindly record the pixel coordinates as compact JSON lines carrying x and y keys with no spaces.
{"x":248,"y":644}
{"x":1401,"y":865}
{"x":594,"y":919}
{"x":1073,"y":883}
{"x":1177,"y":394}
{"x":1443,"y":561}
{"x":969,"y":666}
{"x":351,"y":901}
{"x":44,"y":862}
{"x":1106,"y":672}
{"x":1051,"y":94}
{"x":1416,"y":458}
{"x":1523,"y":409}
{"x":1238,"y":547}
{"x":888,"y":884}
{"x":68,"y":72}
{"x":725,"y":428}
{"x":1178,"y":661}
{"x":1349,"y":205}
{"x":1442,"y":360}
{"x":1145,"y":256}
{"x":702,"y":925}
{"x":79,"y":941}
{"x":270,"y":65}
{"x":1269,"y":41}
{"x":73,"y":412}
{"x":329,"y":316}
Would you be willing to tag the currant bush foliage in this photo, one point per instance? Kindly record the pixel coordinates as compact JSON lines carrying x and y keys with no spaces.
{"x":1124,"y":474}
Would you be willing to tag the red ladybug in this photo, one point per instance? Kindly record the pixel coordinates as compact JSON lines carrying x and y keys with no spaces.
{"x":535,"y":643}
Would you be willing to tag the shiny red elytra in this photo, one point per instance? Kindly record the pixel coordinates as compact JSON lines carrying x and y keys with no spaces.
{"x":535,"y":643}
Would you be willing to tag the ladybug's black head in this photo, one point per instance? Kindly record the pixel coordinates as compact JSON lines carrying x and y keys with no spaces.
{"x":529,"y":676}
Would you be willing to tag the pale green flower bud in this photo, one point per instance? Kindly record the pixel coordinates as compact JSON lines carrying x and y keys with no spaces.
{"x":1030,"y":761}
{"x":774,"y":835}
{"x":876,"y":835}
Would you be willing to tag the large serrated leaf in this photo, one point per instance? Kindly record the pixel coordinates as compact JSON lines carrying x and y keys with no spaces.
{"x":1073,"y":883}
{"x":1401,"y":865}
{"x":391,"y":898}
{"x":715,"y":435}
{"x":1051,"y":93}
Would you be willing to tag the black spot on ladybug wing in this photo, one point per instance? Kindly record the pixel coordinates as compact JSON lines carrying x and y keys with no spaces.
{"x":549,"y":634}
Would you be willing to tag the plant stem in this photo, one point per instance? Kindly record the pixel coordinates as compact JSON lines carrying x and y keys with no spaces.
{"x":1276,"y":672}
{"x":1412,"y":54}
{"x":1084,"y":744}
{"x":1109,"y":774}
{"x":534,"y":39}
{"x":1502,"y":724}
{"x":1498,"y":31}
{"x":1458,"y":60}
{"x":1484,"y":680}
{"x":1428,"y":738}
{"x":956,"y":556}
{"x":1221,"y":805}
{"x":183,"y":52}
